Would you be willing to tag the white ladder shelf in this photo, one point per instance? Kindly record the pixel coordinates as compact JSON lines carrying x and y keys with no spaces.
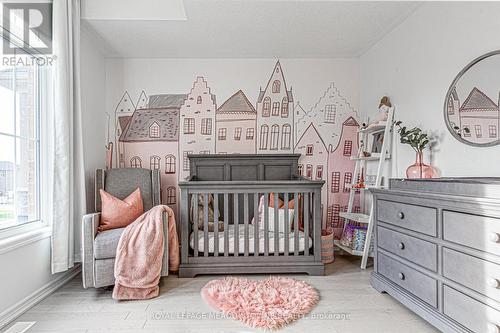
{"x":361,"y":163}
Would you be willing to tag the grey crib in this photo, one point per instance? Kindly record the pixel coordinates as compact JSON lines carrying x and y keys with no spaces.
{"x":236,"y":183}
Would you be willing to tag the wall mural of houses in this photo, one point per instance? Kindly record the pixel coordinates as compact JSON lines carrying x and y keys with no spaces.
{"x":159,"y":132}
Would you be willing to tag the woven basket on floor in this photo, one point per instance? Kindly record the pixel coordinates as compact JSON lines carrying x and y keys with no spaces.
{"x":327,"y":255}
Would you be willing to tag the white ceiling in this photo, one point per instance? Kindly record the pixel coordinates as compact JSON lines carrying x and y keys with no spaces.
{"x":256,"y":29}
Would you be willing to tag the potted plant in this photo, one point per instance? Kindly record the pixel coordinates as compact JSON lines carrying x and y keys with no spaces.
{"x":418,"y":141}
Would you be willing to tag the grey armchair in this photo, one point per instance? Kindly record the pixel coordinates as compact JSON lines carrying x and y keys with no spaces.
{"x":99,"y":248}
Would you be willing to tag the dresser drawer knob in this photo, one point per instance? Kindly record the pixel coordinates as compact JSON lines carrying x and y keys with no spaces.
{"x":401,"y":215}
{"x":401,"y":246}
{"x":493,"y":328}
{"x":494,"y":237}
{"x":401,"y":276}
{"x":493,"y":283}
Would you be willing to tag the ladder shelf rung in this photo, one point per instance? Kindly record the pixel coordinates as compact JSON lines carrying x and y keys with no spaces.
{"x":356,"y":217}
{"x":349,"y":250}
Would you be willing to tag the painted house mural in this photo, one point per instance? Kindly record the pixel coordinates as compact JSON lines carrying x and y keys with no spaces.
{"x":197,"y":118}
{"x":236,"y":122}
{"x":123,"y":112}
{"x":275,"y":115}
{"x":453,"y":108}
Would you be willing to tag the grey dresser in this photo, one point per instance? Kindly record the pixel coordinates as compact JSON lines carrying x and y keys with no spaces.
{"x":437,"y":250}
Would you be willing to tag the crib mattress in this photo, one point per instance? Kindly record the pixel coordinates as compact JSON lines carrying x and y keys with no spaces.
{"x":240,"y":238}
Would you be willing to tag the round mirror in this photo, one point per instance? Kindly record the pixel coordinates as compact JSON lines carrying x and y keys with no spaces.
{"x":471,"y":108}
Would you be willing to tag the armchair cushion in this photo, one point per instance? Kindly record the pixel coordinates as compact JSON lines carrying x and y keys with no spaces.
{"x":106,"y":242}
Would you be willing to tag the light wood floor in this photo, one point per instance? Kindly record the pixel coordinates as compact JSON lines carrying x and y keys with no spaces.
{"x":348,"y":302}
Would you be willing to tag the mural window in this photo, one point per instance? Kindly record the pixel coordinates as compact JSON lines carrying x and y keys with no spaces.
{"x":333,"y":215}
{"x":275,"y":133}
{"x":206,"y":126}
{"x":198,"y":100}
{"x":276,"y":108}
{"x":266,"y":107}
{"x":330,"y":113}
{"x":347,"y":148}
{"x":250,"y":133}
{"x":335,"y":188}
{"x":451,"y":109}
{"x":319,"y":172}
{"x":479,"y":132}
{"x":188,"y":125}
{"x":309,"y":150}
{"x":237,"y":134}
{"x":222,"y":134}
{"x":185,"y":164}
{"x":170,"y":164}
{"x":309,"y":171}
{"x":264,"y":133}
{"x":284,"y":107}
{"x":135,"y":162}
{"x":301,"y":169}
{"x":492,"y":131}
{"x":171,"y":195}
{"x":276,"y":86}
{"x":154,"y":130}
{"x":466,"y":131}
{"x":154,"y":162}
{"x":357,"y":209}
{"x":347,"y":181}
{"x":285,"y":136}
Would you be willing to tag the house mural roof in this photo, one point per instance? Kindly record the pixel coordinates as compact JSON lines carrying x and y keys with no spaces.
{"x":477,"y":100}
{"x":238,"y":103}
{"x":137,"y":129}
{"x":288,"y":92}
{"x":123,"y":121}
{"x":313,"y":128}
{"x":165,"y":101}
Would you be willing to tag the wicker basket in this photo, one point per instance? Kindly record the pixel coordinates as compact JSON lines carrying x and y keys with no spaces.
{"x":327,"y":256}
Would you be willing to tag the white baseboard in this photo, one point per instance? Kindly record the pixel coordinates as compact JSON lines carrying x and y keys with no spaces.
{"x":28,"y":302}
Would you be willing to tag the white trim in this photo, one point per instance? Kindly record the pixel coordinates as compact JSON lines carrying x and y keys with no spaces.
{"x":25,"y":304}
{"x":8,"y":244}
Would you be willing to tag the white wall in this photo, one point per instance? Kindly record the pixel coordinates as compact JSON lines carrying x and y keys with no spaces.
{"x":415,"y":65}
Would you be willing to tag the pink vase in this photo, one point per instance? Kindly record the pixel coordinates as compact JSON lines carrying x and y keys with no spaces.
{"x":419,"y":169}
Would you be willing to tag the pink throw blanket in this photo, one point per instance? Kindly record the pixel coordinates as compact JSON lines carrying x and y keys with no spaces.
{"x":140,"y":252}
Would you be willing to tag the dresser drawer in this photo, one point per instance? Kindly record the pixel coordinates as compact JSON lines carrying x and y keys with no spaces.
{"x":416,"y":218}
{"x":418,"y":251}
{"x":419,"y":284}
{"x":477,"y":274}
{"x":474,"y":315}
{"x":475,"y":231}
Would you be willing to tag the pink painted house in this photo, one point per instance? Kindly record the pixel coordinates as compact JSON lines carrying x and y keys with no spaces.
{"x":235,"y":123}
{"x":123,"y":112}
{"x":340,"y":175}
{"x":480,"y":115}
{"x":313,"y":162}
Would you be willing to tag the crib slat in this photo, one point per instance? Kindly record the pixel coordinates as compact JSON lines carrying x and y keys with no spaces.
{"x":256,"y":224}
{"x":205,"y":225}
{"x":287,"y":225}
{"x":236,"y":239}
{"x":276,"y":225}
{"x":245,"y":221}
{"x":317,"y":225}
{"x":296,"y":224}
{"x":226,"y":224}
{"x":216,"y":224}
{"x":266,"y":224}
{"x":306,"y":223}
{"x":195,"y":224}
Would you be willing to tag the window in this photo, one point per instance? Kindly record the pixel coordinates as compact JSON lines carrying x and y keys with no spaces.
{"x":237,"y":133}
{"x":284,"y":107}
{"x":347,"y":181}
{"x":222,"y":133}
{"x":466,"y":131}
{"x":330,"y":112}
{"x":301,"y":169}
{"x":264,"y":132}
{"x":22,"y":91}
{"x":206,"y":126}
{"x":335,"y":188}
{"x":309,"y":171}
{"x":451,"y":109}
{"x":154,"y":162}
{"x":154,"y":130}
{"x":198,"y":100}
{"x":319,"y":172}
{"x":170,"y":164}
{"x":135,"y":162}
{"x":276,"y":108}
{"x":250,"y":133}
{"x":276,"y":86}
{"x":275,"y":133}
{"x":266,"y":107}
{"x":185,"y":163}
{"x":347,"y":148}
{"x":479,"y":132}
{"x":333,"y":215}
{"x":188,"y":125}
{"x":309,"y":150}
{"x":171,"y":195}
{"x":285,"y":136}
{"x":492,"y":131}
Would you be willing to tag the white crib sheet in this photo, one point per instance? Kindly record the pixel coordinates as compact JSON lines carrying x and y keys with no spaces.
{"x":241,"y":240}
